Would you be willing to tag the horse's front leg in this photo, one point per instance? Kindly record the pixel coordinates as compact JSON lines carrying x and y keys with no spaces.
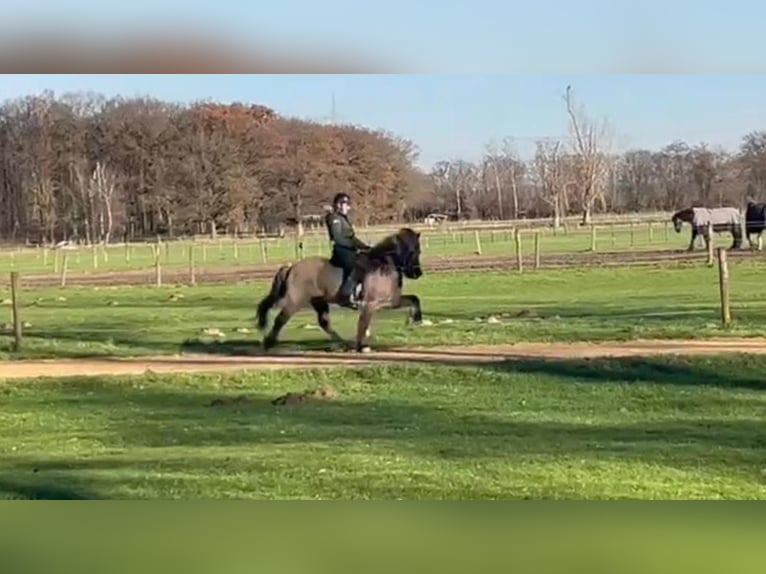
{"x":694,"y":238}
{"x":415,"y":316}
{"x":363,"y":328}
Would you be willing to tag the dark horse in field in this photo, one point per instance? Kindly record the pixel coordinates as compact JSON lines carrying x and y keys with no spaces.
{"x":315,"y":282}
{"x":724,"y":219}
{"x":755,"y":221}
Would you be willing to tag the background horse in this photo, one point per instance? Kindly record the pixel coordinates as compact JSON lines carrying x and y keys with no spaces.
{"x":755,"y":222}
{"x":315,"y":282}
{"x":724,"y":219}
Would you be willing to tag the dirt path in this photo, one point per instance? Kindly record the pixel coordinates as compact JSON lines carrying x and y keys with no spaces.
{"x":439,"y":355}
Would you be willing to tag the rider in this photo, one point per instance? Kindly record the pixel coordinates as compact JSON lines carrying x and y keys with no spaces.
{"x":345,"y":248}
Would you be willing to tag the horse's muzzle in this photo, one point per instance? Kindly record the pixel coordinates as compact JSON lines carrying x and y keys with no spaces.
{"x":415,"y":272}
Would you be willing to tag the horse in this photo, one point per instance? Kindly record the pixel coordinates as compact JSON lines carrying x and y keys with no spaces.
{"x":723,"y":219}
{"x":315,"y":282}
{"x":755,"y":222}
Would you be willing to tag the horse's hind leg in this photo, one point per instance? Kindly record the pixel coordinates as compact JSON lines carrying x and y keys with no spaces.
{"x":322,"y":309}
{"x":736,"y":234}
{"x":279,"y":322}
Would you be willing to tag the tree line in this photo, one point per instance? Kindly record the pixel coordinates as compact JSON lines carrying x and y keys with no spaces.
{"x":84,"y":167}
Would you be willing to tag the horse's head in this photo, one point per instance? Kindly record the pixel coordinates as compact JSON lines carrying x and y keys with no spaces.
{"x":679,"y":217}
{"x":401,"y":248}
{"x":408,"y":252}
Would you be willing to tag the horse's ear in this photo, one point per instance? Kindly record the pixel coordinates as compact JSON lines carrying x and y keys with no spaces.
{"x":417,"y":234}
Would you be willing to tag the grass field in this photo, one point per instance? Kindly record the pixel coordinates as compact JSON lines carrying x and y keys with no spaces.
{"x":598,"y":428}
{"x":680,"y":301}
{"x":627,"y":428}
{"x":436,"y":244}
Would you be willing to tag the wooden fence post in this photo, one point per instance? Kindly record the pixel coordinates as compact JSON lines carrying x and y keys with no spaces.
{"x":17,"y":334}
{"x":192,"y":278}
{"x":157,"y":267}
{"x":64,"y":269}
{"x":710,"y":244}
{"x":478,"y":242}
{"x":723,"y":284}
{"x":519,"y":255}
{"x":593,"y":238}
{"x":537,"y":250}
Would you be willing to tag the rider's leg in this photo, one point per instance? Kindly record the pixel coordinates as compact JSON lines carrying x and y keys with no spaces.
{"x":347,"y":288}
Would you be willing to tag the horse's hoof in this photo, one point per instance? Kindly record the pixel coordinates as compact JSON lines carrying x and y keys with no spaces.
{"x":268,"y":344}
{"x":364,"y":349}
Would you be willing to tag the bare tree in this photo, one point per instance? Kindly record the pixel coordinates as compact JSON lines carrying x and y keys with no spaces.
{"x":591,"y":143}
{"x":503,"y":170}
{"x":550,"y":172}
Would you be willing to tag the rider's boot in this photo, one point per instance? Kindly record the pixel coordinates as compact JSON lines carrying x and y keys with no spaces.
{"x":345,"y":296}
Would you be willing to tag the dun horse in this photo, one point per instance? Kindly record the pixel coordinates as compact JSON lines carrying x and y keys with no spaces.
{"x":755,"y":221}
{"x":724,"y":219}
{"x":315,"y":282}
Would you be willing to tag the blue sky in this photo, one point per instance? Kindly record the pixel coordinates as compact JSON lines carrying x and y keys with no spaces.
{"x":456,"y":115}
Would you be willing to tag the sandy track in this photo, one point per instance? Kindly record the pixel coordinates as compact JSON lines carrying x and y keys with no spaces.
{"x":471,"y":355}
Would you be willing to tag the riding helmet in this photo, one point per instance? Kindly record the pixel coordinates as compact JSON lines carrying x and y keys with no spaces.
{"x":339,"y":197}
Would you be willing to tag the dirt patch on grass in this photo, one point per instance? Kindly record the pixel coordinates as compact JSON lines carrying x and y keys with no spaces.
{"x":325,"y":393}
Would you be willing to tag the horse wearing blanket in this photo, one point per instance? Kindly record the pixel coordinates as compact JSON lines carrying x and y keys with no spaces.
{"x":724,"y":219}
{"x":755,"y":221}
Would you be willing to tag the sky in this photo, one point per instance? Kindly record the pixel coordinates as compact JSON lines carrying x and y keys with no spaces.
{"x":456,"y":116}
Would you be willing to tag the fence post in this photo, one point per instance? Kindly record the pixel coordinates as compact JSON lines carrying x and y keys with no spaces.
{"x":157,"y":268}
{"x":17,"y":334}
{"x":478,"y":242}
{"x":710,"y":244}
{"x":723,"y":284}
{"x":192,"y":278}
{"x":537,"y":250}
{"x":592,"y":237}
{"x":519,"y":255}
{"x":64,"y":269}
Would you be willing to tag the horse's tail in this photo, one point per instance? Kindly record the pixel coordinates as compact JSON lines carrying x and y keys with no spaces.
{"x":278,"y":290}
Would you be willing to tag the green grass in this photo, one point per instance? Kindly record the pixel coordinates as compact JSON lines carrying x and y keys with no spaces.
{"x":211,"y":254}
{"x":548,"y":305}
{"x":620,"y":428}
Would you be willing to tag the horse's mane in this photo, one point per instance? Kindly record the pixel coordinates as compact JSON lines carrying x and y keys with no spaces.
{"x":389,"y":248}
{"x":682,"y":212}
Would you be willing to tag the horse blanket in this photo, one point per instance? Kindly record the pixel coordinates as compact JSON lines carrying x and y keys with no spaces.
{"x":755,"y":217}
{"x":718,"y":216}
